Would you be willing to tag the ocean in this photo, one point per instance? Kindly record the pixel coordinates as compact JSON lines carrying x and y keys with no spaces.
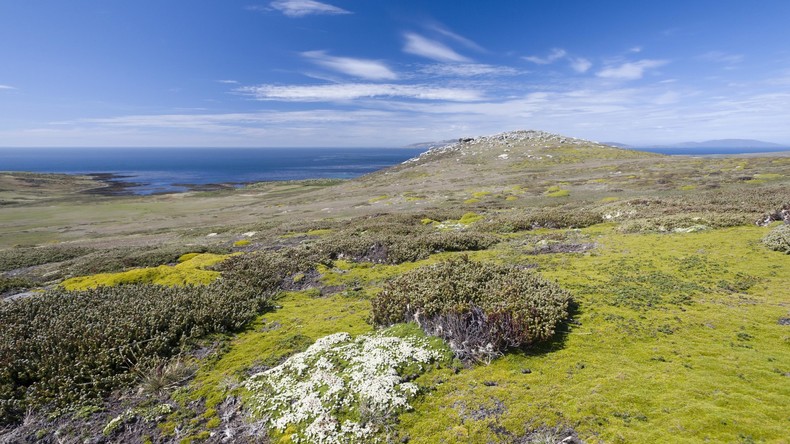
{"x":168,"y":170}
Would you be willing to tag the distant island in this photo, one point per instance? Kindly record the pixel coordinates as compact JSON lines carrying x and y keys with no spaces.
{"x":706,"y":147}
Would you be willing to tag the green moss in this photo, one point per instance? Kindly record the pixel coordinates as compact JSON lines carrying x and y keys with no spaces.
{"x":242,"y":242}
{"x":274,"y":336}
{"x":186,"y":257}
{"x":688,"y":187}
{"x":706,"y":368}
{"x":555,"y":191}
{"x":511,"y":198}
{"x":470,"y":218}
{"x":378,"y":198}
{"x":427,"y":221}
{"x":471,"y":201}
{"x":190,"y":271}
{"x":320,"y":232}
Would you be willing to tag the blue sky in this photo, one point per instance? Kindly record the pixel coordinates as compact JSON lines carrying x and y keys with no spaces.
{"x":389,"y":73}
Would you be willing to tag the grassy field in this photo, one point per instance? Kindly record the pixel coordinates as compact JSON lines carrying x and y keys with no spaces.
{"x":678,"y":331}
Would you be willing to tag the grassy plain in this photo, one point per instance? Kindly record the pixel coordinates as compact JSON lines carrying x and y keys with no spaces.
{"x":678,"y":333}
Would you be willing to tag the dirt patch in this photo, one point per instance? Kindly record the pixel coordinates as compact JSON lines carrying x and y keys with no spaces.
{"x":559,"y":435}
{"x":480,"y":412}
{"x":552,"y":248}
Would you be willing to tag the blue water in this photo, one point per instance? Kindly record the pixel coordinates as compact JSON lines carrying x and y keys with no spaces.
{"x":162,"y":170}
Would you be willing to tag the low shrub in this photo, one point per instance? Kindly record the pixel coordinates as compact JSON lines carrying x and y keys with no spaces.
{"x":395,"y":249}
{"x":265,"y":271}
{"x":15,"y":258}
{"x":779,"y":239}
{"x":481,"y":309}
{"x":514,"y":221}
{"x":8,"y":284}
{"x":65,"y":348}
{"x":680,"y":223}
{"x":120,"y":259}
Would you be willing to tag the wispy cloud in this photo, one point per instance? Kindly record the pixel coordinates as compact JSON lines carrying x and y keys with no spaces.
{"x":228,"y":82}
{"x":352,"y":91}
{"x":467,"y":70}
{"x":442,"y":30}
{"x":554,"y":55}
{"x":301,"y":8}
{"x":721,"y":57}
{"x":630,"y":70}
{"x":6,"y":87}
{"x":431,"y":49}
{"x":580,"y":64}
{"x":362,"y":68}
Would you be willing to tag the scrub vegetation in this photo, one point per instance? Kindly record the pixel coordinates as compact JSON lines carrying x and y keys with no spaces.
{"x":619,"y":297}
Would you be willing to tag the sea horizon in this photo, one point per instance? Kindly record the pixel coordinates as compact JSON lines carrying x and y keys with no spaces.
{"x":154,"y":170}
{"x":149,"y":170}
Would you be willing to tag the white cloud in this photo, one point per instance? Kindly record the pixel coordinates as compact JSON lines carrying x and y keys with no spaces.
{"x":362,"y":68}
{"x":352,"y":91}
{"x":580,"y":64}
{"x":630,"y":70}
{"x":556,"y":54}
{"x":722,"y":57}
{"x":431,"y":49}
{"x":454,"y":36}
{"x":301,"y":8}
{"x":228,"y":82}
{"x":6,"y":87}
{"x":468,"y":70}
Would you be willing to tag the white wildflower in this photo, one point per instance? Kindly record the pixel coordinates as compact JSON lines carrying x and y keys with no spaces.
{"x":335,"y":377}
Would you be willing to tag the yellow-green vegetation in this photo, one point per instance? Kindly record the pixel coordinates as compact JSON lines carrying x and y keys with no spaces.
{"x":242,"y":243}
{"x":472,"y":201}
{"x":511,"y":198}
{"x":556,"y":191}
{"x":470,"y":218}
{"x":677,"y":331}
{"x":190,"y":271}
{"x":187,"y":256}
{"x":319,"y":232}
{"x":301,"y":319}
{"x":378,"y":198}
{"x":688,"y":187}
{"x":675,"y":339}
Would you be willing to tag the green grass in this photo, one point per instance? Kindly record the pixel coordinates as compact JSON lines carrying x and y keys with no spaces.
{"x":709,"y":368}
{"x":274,"y":336}
{"x":189,"y":270}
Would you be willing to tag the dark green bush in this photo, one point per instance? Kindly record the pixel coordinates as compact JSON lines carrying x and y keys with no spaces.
{"x":264,"y":271}
{"x":397,"y":248}
{"x":743,"y":201}
{"x":120,"y":259}
{"x":545,"y":218}
{"x":480,"y":308}
{"x":68,"y":348}
{"x":779,"y":239}
{"x":15,"y":258}
{"x":14,"y":283}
